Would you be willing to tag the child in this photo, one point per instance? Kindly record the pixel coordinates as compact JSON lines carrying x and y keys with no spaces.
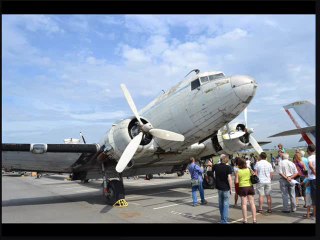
{"x":308,"y":197}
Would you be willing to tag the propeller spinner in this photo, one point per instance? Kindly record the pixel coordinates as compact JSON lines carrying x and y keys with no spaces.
{"x":145,"y":128}
{"x":239,"y":133}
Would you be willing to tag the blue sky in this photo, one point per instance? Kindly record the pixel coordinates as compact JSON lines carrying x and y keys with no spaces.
{"x":62,"y":73}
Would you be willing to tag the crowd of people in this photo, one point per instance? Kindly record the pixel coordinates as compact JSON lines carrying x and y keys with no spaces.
{"x":297,"y":180}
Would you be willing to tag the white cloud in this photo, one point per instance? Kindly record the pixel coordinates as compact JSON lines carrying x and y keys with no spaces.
{"x":271,"y":23}
{"x":146,"y":24}
{"x":98,"y":116}
{"x":42,"y":23}
{"x":134,"y":55}
{"x":82,"y":84}
{"x":16,"y":46}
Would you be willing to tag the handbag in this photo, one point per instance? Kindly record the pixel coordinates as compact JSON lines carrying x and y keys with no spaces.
{"x":194,"y":182}
{"x":254,"y":178}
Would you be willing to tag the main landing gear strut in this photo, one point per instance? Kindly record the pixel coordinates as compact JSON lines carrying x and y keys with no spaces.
{"x":113,"y":190}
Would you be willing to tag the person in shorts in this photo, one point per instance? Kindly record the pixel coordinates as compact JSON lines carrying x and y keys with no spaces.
{"x":306,"y":183}
{"x":246,"y":190}
{"x":264,"y":171}
{"x":311,"y":150}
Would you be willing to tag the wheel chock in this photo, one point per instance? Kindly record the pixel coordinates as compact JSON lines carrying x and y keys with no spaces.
{"x":121,"y":203}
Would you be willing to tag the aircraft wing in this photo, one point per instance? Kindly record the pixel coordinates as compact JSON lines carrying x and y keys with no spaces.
{"x":260,"y":143}
{"x":263,"y":143}
{"x":47,"y":157}
{"x":295,"y":131}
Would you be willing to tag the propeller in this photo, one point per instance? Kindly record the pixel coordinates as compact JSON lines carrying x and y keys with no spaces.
{"x":145,"y":128}
{"x":129,"y":152}
{"x":232,"y":134}
{"x":255,"y":144}
{"x":252,"y":140}
{"x":164,"y":134}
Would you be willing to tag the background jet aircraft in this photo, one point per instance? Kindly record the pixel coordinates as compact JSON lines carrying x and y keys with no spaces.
{"x":306,"y":111}
{"x":191,"y":119}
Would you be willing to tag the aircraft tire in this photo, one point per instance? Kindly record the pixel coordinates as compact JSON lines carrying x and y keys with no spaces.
{"x":115,"y":192}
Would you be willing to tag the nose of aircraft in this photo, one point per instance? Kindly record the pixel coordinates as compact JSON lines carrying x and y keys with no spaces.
{"x":244,"y":87}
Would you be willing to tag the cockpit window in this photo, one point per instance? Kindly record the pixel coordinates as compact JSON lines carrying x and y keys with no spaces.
{"x":204,"y":79}
{"x":216,"y":76}
{"x":195,"y":84}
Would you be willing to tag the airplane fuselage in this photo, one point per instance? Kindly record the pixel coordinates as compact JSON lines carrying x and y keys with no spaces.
{"x":195,"y":110}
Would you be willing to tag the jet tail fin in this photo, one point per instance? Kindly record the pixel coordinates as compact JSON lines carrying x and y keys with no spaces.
{"x":305,"y":110}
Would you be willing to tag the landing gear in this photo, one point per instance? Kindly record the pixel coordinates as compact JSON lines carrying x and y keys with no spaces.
{"x":112,"y":190}
{"x":84,"y":180}
{"x":149,"y":176}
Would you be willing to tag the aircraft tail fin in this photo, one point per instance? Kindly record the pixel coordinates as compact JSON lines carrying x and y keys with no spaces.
{"x":305,"y":110}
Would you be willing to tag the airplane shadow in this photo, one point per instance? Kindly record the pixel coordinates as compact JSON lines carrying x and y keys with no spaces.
{"x":92,"y":199}
{"x":97,"y":198}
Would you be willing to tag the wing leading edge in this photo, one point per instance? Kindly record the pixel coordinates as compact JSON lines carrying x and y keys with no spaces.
{"x":295,"y":131}
{"x":45,"y":157}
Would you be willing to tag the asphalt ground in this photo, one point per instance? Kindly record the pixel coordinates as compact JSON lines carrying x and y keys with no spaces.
{"x":164,"y":199}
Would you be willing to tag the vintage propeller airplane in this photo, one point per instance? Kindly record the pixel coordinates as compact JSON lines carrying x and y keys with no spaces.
{"x":191,"y":119}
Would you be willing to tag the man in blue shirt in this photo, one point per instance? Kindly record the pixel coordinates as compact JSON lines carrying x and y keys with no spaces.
{"x":196,"y":174}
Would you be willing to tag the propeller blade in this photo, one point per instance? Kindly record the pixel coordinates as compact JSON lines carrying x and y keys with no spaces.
{"x":130,"y":102}
{"x":233,"y":135}
{"x":129,"y":152}
{"x":167,"y":135}
{"x":255,"y":144}
{"x":245,"y":112}
{"x":228,"y":129}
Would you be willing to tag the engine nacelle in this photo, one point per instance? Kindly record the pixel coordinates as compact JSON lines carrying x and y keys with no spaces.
{"x":229,"y":146}
{"x":119,"y":137}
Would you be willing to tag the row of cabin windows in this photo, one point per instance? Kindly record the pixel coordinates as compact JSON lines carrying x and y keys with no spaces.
{"x":196,"y":83}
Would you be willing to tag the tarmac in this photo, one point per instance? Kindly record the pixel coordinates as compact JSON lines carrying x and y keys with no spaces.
{"x":163,"y":199}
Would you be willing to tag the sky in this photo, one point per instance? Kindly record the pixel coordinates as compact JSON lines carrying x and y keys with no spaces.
{"x":62,"y":73}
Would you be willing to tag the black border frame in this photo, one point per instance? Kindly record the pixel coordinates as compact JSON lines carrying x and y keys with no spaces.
{"x":159,"y":231}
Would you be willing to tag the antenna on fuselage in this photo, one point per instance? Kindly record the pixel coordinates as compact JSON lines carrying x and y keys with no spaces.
{"x":194,"y":70}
